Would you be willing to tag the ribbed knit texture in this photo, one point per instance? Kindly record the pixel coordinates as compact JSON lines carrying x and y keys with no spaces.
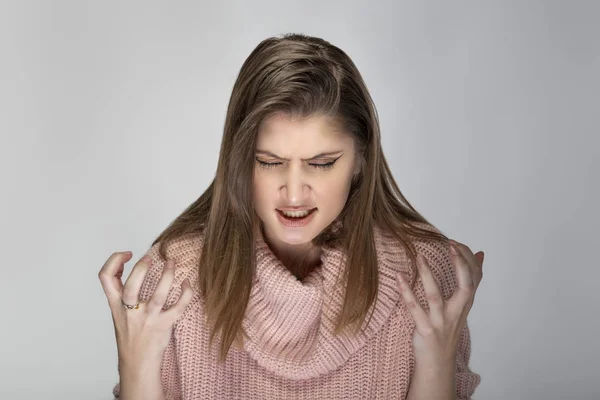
{"x":291,"y":352}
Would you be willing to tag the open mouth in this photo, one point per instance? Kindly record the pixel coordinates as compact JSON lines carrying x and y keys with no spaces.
{"x":296,"y":216}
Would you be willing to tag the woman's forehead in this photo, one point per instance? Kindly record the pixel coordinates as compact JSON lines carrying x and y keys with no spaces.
{"x":282,"y":127}
{"x":284,"y":119}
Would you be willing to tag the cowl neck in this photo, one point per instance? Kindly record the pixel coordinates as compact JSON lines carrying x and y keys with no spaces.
{"x":289,"y":323}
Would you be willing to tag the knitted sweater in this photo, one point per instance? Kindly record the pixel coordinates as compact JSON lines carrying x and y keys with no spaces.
{"x":290,"y":352}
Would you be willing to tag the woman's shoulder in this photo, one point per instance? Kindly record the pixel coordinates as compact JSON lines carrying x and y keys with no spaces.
{"x":185,"y":252}
{"x":392,"y":240}
{"x":437,"y":253}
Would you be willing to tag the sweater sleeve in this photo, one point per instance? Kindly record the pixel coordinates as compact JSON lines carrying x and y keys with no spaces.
{"x":438,"y":257}
{"x":169,"y":366}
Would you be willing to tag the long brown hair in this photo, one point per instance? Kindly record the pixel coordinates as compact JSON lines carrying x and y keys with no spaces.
{"x":298,"y":75}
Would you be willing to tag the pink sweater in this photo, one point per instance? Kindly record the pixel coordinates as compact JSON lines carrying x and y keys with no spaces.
{"x":291,"y":352}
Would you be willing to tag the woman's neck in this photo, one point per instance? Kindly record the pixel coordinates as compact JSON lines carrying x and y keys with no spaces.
{"x":300,"y":267}
{"x":300,"y":260}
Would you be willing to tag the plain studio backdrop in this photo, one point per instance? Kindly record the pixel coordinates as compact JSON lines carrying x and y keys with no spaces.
{"x":111,"y":116}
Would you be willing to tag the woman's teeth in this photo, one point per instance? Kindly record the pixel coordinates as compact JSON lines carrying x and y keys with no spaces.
{"x":296,"y":214}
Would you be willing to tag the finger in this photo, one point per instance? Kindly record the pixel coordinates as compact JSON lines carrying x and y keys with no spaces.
{"x":479,"y":270}
{"x":480,"y":256}
{"x":159,"y":297}
{"x":463,"y":296}
{"x":110,"y":276}
{"x":179,"y":308}
{"x":464,"y":250}
{"x":131,"y":290}
{"x":432,"y":292}
{"x":472,"y":261}
{"x":414,"y":307}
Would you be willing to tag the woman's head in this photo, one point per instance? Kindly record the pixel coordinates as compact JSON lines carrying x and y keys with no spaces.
{"x":305,"y":166}
{"x":295,"y":97}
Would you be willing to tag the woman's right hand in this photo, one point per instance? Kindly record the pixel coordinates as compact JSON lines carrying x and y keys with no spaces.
{"x":142,"y":334}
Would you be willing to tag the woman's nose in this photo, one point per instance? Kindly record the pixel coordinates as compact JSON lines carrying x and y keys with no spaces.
{"x":295,"y":188}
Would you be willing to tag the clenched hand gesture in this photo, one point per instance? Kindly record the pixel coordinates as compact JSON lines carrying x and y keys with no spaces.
{"x":144,"y":329}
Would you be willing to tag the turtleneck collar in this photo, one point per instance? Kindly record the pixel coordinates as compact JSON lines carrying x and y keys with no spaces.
{"x":289,"y":323}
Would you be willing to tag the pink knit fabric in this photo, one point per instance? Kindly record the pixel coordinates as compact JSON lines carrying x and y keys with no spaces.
{"x":291,"y":352}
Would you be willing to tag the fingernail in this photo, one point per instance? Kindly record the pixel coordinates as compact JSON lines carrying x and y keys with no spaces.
{"x":453,"y":249}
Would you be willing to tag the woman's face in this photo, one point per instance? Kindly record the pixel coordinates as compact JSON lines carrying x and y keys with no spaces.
{"x":301,"y":176}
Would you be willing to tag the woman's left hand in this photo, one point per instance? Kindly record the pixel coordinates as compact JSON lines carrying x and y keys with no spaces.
{"x":437,"y":333}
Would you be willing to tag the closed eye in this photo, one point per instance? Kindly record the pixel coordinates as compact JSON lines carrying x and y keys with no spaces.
{"x":324,"y":166}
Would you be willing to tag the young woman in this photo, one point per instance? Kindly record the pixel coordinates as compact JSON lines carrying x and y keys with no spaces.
{"x":302,"y":271}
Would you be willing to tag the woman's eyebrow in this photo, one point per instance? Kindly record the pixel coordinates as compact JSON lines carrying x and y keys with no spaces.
{"x":325,"y":154}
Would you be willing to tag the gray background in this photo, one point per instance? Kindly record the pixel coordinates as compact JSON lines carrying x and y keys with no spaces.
{"x":111,"y":115}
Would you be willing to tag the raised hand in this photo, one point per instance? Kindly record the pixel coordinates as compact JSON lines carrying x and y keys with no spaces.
{"x":142,"y":330}
{"x":438,"y":331}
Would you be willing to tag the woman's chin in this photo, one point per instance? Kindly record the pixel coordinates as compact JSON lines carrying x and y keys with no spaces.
{"x":294,"y":236}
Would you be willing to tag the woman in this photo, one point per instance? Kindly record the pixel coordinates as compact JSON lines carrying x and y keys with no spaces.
{"x":295,"y":274}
